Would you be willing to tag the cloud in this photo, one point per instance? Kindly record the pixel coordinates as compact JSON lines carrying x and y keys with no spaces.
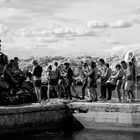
{"x":137,"y":9}
{"x":111,"y":41}
{"x":5,"y":1}
{"x":120,"y":24}
{"x":25,"y":32}
{"x":120,"y":50}
{"x":116,"y":24}
{"x":86,"y":32}
{"x":74,"y":32}
{"x":3,"y":29}
{"x":97,"y":24}
{"x":8,"y":14}
{"x":136,"y":21}
{"x":47,"y":40}
{"x":58,"y":32}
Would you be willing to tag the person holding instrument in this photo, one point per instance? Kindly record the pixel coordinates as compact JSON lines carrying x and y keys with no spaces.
{"x":115,"y":81}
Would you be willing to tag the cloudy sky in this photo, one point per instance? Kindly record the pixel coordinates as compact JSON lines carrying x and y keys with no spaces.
{"x":69,"y":27}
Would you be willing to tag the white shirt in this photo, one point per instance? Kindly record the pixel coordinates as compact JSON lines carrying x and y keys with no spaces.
{"x":103,"y":70}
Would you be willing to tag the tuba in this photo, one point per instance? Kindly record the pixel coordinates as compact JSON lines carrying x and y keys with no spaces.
{"x":129,"y":56}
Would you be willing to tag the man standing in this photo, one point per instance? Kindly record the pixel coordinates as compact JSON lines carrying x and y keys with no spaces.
{"x":103,"y":78}
{"x":69,"y":80}
{"x":108,"y":74}
{"x":37,"y":72}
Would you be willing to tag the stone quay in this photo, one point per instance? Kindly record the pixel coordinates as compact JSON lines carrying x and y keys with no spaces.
{"x":57,"y":115}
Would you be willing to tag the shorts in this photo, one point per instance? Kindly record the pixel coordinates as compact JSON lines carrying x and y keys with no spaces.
{"x":119,"y":84}
{"x":128,"y":85}
{"x":91,"y":83}
{"x":53,"y":82}
{"x":38,"y":83}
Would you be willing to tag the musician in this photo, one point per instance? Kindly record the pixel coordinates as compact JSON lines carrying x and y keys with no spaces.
{"x":115,"y":81}
{"x":130,"y":57}
{"x":129,"y":81}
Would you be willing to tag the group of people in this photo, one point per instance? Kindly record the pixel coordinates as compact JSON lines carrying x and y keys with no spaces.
{"x":94,"y":75}
{"x":121,"y":80}
{"x":57,"y":77}
{"x":15,"y":88}
{"x":61,"y":78}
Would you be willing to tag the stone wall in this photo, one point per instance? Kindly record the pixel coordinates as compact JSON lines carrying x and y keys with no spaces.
{"x":58,"y":115}
{"x":34,"y":116}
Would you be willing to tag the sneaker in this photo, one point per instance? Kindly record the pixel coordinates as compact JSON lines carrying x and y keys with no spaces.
{"x":132,"y":100}
{"x":95,"y":100}
{"x":90,"y":100}
{"x":124,"y":100}
{"x":77,"y":96}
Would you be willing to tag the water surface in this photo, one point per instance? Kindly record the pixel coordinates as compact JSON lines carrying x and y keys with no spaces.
{"x":85,"y":134}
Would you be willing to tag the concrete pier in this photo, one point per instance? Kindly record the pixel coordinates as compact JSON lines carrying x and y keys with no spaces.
{"x":57,"y":115}
{"x":115,"y":116}
{"x":48,"y":116}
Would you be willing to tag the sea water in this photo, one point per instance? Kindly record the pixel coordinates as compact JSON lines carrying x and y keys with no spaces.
{"x":85,"y":134}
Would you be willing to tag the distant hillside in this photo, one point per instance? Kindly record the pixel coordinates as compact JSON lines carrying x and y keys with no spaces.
{"x":75,"y":62}
{"x":45,"y":61}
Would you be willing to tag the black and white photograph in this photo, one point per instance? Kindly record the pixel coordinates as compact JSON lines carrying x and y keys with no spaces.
{"x":69,"y":69}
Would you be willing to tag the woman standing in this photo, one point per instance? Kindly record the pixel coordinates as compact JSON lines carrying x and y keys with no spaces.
{"x":53,"y":77}
{"x":48,"y":75}
{"x":91,"y":82}
{"x":37,"y":73}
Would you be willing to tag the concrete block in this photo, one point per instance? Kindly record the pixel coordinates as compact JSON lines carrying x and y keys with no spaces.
{"x":106,"y":117}
{"x":86,"y":119}
{"x":125,"y":118}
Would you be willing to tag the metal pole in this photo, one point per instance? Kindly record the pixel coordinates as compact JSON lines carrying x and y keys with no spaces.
{"x":0,"y":45}
{"x":136,"y":79}
{"x":135,"y":84}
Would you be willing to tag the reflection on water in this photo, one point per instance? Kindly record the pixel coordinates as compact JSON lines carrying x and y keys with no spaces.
{"x":85,"y":134}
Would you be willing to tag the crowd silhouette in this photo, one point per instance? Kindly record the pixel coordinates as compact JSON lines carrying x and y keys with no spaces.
{"x":17,"y":86}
